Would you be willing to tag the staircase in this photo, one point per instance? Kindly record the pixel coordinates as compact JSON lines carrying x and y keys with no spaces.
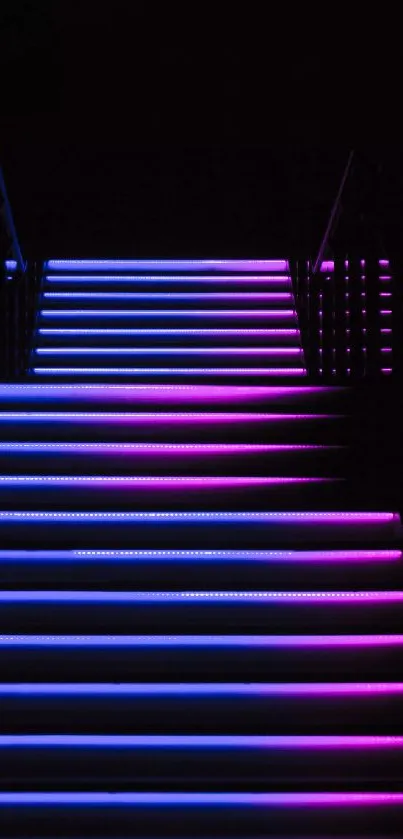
{"x":201,"y":625}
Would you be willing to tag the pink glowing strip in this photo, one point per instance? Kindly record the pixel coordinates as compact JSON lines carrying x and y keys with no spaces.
{"x":280,"y":279}
{"x":167,"y":448}
{"x":199,"y":556}
{"x":192,"y":416}
{"x":171,"y":371}
{"x":384,"y":263}
{"x":221,"y":313}
{"x":274,"y":296}
{"x":327,"y":267}
{"x":236,"y":800}
{"x":169,"y":350}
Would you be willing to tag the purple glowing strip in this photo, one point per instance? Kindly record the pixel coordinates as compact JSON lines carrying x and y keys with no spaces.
{"x":227,"y":265}
{"x":201,"y":597}
{"x":169,"y":350}
{"x":203,"y":641}
{"x":153,"y":481}
{"x":202,"y":516}
{"x":204,"y":332}
{"x":275,"y":297}
{"x":277,"y":279}
{"x":194,"y":741}
{"x":210,"y":689}
{"x":384,"y":263}
{"x":123,"y":313}
{"x":236,"y":800}
{"x":169,"y":371}
{"x":150,"y":417}
{"x":197,"y":556}
{"x":386,"y":311}
{"x":158,"y":392}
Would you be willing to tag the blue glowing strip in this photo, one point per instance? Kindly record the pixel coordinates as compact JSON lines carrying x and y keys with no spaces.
{"x":217,"y":517}
{"x":241,"y":265}
{"x":277,"y":279}
{"x":169,"y":350}
{"x":192,"y":556}
{"x":11,"y":265}
{"x":204,"y":332}
{"x":193,"y":448}
{"x":202,"y":641}
{"x":236,"y":800}
{"x":169,"y":371}
{"x":194,"y":741}
{"x":273,"y":296}
{"x":200,"y":597}
{"x":220,"y":313}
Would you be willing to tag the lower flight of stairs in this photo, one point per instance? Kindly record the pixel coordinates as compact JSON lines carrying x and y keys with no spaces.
{"x":186,"y":651}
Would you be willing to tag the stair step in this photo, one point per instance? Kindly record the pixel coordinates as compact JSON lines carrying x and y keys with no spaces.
{"x":175,"y":658}
{"x":168,"y":282}
{"x":212,"y":611}
{"x":261,"y":569}
{"x":184,"y":301}
{"x":185,"y":762}
{"x":167,"y":317}
{"x":121,"y":337}
{"x":195,"y":359}
{"x":241,"y":266}
{"x":299,"y":708}
{"x":25,"y":458}
{"x":187,"y":530}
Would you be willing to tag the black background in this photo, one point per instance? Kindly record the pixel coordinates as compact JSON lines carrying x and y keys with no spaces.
{"x":157,"y":130}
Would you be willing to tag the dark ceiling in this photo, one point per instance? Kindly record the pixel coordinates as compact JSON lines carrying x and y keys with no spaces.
{"x":129,"y":130}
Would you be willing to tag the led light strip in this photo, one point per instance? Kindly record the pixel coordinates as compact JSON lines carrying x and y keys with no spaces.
{"x":195,"y":741}
{"x":139,"y":416}
{"x":204,"y":332}
{"x":151,"y":371}
{"x":274,"y":296}
{"x":152,"y":480}
{"x":210,"y":689}
{"x":277,"y":279}
{"x":203,"y":641}
{"x":217,"y":517}
{"x":48,"y":596}
{"x":157,"y":313}
{"x":237,"y":800}
{"x":192,"y":556}
{"x":192,"y":448}
{"x":170,"y":350}
{"x":241,"y":265}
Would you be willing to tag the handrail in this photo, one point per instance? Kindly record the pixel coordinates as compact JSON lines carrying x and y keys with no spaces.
{"x":5,"y":212}
{"x":323,"y":244}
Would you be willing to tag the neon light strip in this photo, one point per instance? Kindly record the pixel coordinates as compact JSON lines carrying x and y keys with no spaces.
{"x":192,"y":556}
{"x":192,"y":448}
{"x":153,"y":480}
{"x":193,"y":416}
{"x":384,"y":262}
{"x":170,"y":350}
{"x":10,"y":264}
{"x":125,"y":390}
{"x":167,"y":264}
{"x":327,"y":267}
{"x":162,"y":371}
{"x":276,"y":279}
{"x":200,"y":689}
{"x":218,"y":517}
{"x":202,"y":641}
{"x":385,"y":294}
{"x":200,"y":597}
{"x":273,"y":296}
{"x":205,"y":332}
{"x":194,"y":741}
{"x":386,"y":312}
{"x":201,"y":799}
{"x":221,"y":313}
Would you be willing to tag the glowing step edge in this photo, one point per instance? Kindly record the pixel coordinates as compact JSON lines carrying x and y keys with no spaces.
{"x":208,"y":689}
{"x":202,"y":332}
{"x":185,"y":371}
{"x":155,"y":480}
{"x":236,"y":800}
{"x":277,"y":279}
{"x":192,"y":556}
{"x":272,"y":296}
{"x":200,"y":597}
{"x":169,"y":350}
{"x":116,"y":741}
{"x":161,"y":448}
{"x":217,"y":517}
{"x":147,"y":416}
{"x":203,"y":641}
{"x":289,"y":314}
{"x":242,"y":265}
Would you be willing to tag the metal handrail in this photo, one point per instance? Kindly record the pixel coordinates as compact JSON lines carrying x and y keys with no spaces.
{"x":333,"y":214}
{"x":6,"y":214}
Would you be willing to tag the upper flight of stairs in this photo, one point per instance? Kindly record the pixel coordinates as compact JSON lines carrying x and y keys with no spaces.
{"x":201,"y":611}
